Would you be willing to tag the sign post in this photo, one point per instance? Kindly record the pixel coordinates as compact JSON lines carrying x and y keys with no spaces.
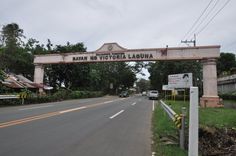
{"x":166,"y":88}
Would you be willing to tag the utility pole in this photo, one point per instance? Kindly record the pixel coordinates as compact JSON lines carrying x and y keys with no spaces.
{"x":190,"y":41}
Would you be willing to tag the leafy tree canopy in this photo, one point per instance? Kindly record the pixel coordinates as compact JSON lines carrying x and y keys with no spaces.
{"x":159,"y":72}
{"x":225,"y":63}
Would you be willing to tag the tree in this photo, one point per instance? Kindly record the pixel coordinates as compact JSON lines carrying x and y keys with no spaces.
{"x":159,"y":72}
{"x":225,"y":63}
{"x":11,"y":36}
{"x":143,"y":85}
{"x":119,"y":74}
{"x":17,"y":57}
{"x":72,"y":76}
{"x":13,"y":56}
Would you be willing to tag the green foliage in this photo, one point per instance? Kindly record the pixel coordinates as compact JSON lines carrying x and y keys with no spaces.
{"x":10,"y":102}
{"x":209,"y":118}
{"x":143,"y":85}
{"x":5,"y":90}
{"x":119,"y":74}
{"x":228,"y":96}
{"x":72,"y":76}
{"x":13,"y":56}
{"x":225,"y":63}
{"x":138,"y":66}
{"x":33,"y":47}
{"x":163,"y":127}
{"x":218,"y":117}
{"x":58,"y":96}
{"x":2,"y":76}
{"x":11,"y":35}
{"x":17,"y":57}
{"x":159,"y":72}
{"x":177,"y":97}
{"x":214,"y":117}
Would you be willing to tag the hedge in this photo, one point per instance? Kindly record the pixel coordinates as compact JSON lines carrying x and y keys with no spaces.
{"x":228,"y":96}
{"x":58,"y":96}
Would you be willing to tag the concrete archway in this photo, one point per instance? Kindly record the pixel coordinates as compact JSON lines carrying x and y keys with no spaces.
{"x":112,"y":52}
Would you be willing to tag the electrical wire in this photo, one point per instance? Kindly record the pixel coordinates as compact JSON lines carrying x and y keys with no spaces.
{"x":213,"y":17}
{"x":198,"y":19}
{"x":205,"y":17}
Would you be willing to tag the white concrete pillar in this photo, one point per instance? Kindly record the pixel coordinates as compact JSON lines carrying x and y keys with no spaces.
{"x":193,"y":122}
{"x":38,"y":75}
{"x":210,"y":96}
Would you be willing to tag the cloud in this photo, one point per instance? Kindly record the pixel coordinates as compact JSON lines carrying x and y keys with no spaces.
{"x":132,"y":24}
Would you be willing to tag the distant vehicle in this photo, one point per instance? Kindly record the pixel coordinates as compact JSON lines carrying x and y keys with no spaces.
{"x":153,"y":94}
{"x":144,"y":93}
{"x":124,"y":94}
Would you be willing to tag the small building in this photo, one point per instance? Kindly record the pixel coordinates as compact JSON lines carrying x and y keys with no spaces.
{"x":18,"y":82}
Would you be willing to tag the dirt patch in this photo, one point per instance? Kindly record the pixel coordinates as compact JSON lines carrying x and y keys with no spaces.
{"x":217,"y":142}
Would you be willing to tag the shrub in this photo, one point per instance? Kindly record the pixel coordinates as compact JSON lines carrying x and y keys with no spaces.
{"x":58,"y":96}
{"x":228,"y":96}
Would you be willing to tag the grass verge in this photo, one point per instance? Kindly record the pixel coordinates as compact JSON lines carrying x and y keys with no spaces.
{"x":165,"y":135}
{"x":212,"y":117}
{"x":209,"y":118}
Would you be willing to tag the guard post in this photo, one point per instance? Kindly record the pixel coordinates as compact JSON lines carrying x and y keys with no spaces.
{"x":193,"y":122}
{"x":182,"y":130}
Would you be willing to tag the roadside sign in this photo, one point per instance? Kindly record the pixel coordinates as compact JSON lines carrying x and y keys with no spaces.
{"x":184,"y":80}
{"x":166,"y":87}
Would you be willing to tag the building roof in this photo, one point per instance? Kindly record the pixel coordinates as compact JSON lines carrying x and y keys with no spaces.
{"x":19,"y":81}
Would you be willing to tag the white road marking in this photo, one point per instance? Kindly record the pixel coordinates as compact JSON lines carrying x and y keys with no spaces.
{"x":108,"y":101}
{"x":71,"y":110}
{"x":133,"y":104}
{"x":28,"y":108}
{"x":153,"y":105}
{"x":113,"y":116}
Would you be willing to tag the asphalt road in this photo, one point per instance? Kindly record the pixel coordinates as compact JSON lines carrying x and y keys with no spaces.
{"x":107,"y":126}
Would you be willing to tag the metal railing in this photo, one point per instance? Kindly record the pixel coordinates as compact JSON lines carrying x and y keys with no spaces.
{"x":179,"y":121}
{"x":21,"y":96}
{"x":168,"y":110}
{"x":9,"y":97}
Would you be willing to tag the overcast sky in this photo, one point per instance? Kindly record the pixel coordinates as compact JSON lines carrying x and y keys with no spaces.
{"x":130,"y":23}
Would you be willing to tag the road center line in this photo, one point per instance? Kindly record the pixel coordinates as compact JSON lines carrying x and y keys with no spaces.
{"x":27,"y":119}
{"x":113,"y":116}
{"x":133,"y":104}
{"x":71,"y":110}
{"x":51,"y":114}
{"x":29,"y":108}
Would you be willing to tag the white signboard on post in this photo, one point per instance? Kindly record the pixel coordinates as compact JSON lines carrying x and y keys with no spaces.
{"x":184,"y":80}
{"x":166,"y":87}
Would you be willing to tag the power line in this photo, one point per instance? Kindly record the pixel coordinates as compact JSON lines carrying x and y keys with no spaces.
{"x":205,"y":17}
{"x":213,"y":17}
{"x":198,"y":19}
{"x":190,"y":41}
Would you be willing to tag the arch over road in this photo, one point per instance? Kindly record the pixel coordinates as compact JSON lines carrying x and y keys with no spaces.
{"x":112,"y":52}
